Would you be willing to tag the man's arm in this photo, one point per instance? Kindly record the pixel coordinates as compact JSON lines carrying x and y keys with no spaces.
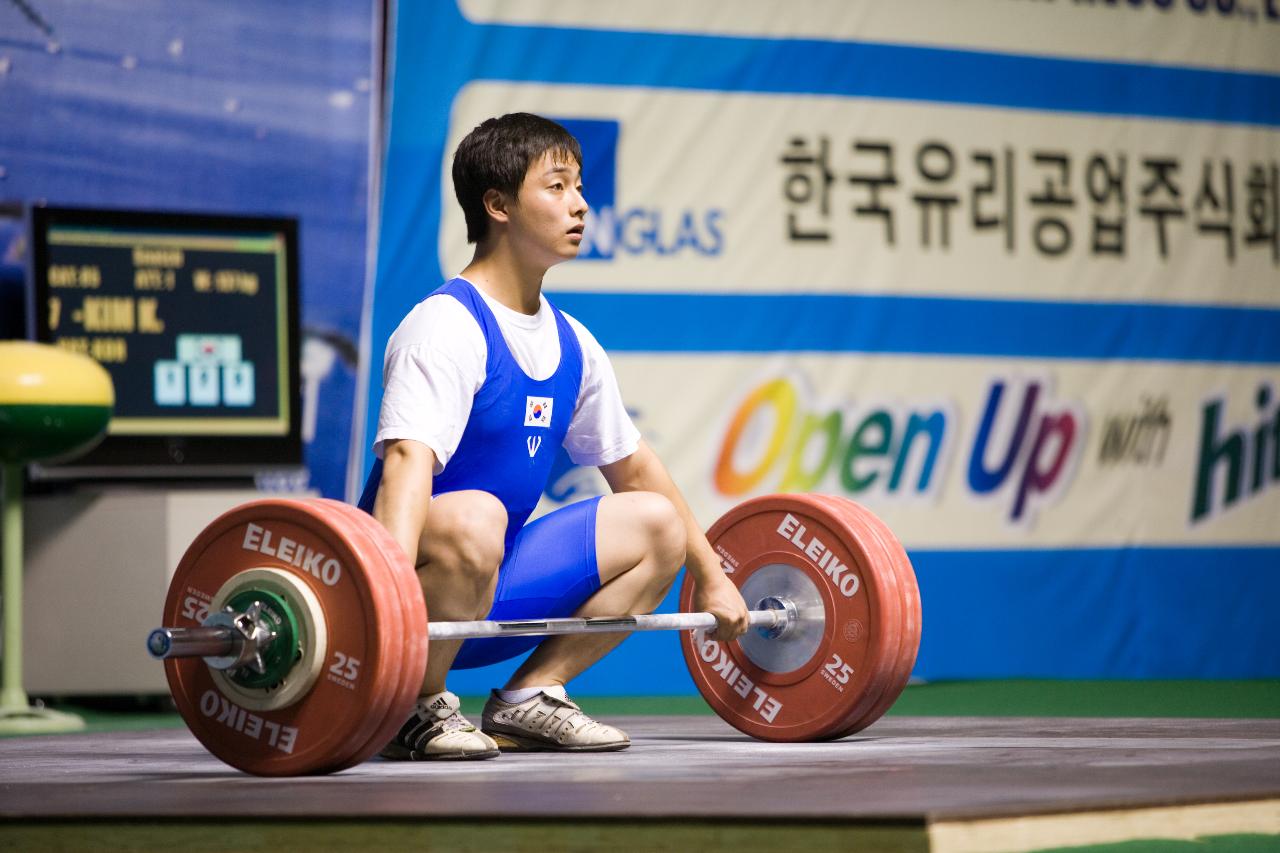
{"x":404,"y":495}
{"x":713,"y":592}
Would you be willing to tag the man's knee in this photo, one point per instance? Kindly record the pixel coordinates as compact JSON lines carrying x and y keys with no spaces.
{"x":465,"y":534}
{"x":664,"y":530}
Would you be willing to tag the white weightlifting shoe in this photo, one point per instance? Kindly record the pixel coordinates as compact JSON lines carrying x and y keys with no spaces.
{"x":546,"y":722}
{"x":438,"y":732}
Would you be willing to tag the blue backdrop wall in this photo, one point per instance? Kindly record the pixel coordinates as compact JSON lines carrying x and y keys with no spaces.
{"x":238,"y":107}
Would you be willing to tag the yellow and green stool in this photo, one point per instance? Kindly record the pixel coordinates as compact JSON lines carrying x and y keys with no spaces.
{"x":54,"y":404}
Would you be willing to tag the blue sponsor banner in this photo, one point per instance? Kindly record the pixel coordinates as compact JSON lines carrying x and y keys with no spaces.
{"x":1125,"y":610}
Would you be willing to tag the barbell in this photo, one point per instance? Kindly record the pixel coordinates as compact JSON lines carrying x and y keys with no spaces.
{"x":297,"y":635}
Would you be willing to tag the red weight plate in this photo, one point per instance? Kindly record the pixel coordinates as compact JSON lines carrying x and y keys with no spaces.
{"x":853,"y":528}
{"x":868,"y":524}
{"x":384,"y":706}
{"x":413,"y":660}
{"x":384,"y":686}
{"x":911,"y":626}
{"x":799,"y":546}
{"x":861,"y":522}
{"x":358,"y":678}
{"x":355,"y":661}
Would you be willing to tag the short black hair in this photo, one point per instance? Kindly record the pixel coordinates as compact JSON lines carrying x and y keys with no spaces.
{"x":497,"y":154}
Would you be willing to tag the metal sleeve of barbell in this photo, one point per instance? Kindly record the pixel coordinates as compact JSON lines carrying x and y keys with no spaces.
{"x":592,"y":625}
{"x":165,"y":643}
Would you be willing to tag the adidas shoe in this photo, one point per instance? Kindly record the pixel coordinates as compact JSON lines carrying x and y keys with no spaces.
{"x":546,"y":722}
{"x":437,"y":731}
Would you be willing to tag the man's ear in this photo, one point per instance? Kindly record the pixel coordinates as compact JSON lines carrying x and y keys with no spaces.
{"x":496,"y":205}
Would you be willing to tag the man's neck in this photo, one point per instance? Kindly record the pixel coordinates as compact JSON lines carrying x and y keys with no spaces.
{"x":501,"y":276}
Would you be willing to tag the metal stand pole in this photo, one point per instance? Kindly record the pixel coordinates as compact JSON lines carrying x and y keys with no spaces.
{"x":17,"y":716}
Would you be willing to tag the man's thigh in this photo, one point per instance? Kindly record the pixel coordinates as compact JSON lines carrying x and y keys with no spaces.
{"x":468,"y":518}
{"x":634,"y":526}
{"x":551,"y":570}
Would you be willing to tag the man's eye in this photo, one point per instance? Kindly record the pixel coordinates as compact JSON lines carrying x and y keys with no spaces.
{"x":557,"y":186}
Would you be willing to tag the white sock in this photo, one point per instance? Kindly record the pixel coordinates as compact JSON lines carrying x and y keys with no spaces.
{"x":515,"y":697}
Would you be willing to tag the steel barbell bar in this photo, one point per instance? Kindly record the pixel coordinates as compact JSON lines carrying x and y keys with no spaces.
{"x":222,"y":640}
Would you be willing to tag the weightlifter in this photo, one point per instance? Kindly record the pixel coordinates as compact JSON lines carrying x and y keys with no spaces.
{"x":484,"y":381}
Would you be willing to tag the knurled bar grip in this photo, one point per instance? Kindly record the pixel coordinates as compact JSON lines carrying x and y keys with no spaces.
{"x":164,"y":643}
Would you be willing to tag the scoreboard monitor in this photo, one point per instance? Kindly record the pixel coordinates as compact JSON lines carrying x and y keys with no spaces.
{"x":196,"y":319}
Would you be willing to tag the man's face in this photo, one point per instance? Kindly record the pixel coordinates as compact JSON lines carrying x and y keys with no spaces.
{"x":547,"y":221}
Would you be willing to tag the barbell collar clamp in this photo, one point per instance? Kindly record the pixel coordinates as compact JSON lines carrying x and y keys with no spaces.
{"x":227,"y":640}
{"x":784,"y":627}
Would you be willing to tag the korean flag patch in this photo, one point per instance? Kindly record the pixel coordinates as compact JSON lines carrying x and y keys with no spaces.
{"x":537,"y":411}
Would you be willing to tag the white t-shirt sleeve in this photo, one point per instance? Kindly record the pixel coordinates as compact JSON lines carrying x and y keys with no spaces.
{"x":601,"y":431}
{"x":435,"y":364}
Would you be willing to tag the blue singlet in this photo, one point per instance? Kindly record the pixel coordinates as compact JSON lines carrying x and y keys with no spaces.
{"x":516,"y":427}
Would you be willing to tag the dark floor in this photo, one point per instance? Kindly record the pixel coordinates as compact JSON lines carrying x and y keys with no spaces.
{"x":909,"y":772}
